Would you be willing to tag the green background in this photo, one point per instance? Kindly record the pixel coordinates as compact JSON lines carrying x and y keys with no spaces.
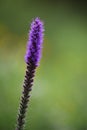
{"x":59,"y":96}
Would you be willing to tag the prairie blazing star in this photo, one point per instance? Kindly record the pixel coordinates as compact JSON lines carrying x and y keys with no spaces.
{"x":32,"y":58}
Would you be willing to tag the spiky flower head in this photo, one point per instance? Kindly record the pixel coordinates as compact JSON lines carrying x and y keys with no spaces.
{"x":32,"y":58}
{"x":34,"y":45}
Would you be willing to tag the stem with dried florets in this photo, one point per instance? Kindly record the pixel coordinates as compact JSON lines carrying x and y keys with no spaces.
{"x":28,"y":82}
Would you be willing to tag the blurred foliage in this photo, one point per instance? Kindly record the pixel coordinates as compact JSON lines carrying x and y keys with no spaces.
{"x":58,"y":100}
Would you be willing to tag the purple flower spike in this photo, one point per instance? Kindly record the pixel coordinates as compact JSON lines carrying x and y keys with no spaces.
{"x":32,"y":59}
{"x":34,"y":45}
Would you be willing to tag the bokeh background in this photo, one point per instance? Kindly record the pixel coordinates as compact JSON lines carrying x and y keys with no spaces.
{"x":59,"y":95}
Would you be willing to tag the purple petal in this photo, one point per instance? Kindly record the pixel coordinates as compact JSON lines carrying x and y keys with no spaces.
{"x":34,"y":45}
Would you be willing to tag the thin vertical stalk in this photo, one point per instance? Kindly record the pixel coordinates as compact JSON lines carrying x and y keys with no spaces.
{"x":27,"y":87}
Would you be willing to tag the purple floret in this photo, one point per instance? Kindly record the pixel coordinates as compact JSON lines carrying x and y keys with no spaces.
{"x":35,"y":41}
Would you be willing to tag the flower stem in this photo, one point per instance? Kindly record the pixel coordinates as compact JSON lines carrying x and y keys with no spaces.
{"x":27,"y":87}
